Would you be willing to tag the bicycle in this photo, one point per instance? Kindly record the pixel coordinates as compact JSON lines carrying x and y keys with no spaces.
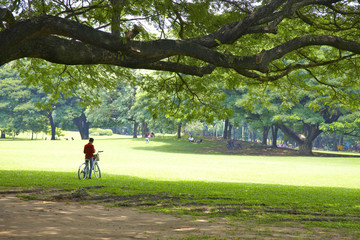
{"x":84,"y":172}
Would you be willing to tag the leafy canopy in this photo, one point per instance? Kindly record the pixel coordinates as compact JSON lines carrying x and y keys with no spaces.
{"x":199,"y":46}
{"x":262,"y":40}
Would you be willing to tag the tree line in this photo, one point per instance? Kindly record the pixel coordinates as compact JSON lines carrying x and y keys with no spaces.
{"x":301,"y":117}
{"x":288,"y":65}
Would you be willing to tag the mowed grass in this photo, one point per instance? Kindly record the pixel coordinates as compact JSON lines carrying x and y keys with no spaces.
{"x":171,"y":159}
{"x":182,"y":178}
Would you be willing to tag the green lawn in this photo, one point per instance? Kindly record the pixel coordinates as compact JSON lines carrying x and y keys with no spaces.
{"x":170,"y":159}
{"x":183,"y":178}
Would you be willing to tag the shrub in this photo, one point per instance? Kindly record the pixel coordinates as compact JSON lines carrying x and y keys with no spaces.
{"x":100,"y":132}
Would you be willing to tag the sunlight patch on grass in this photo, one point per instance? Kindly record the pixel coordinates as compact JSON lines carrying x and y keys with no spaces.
{"x":173,"y":176}
{"x":165,"y":159}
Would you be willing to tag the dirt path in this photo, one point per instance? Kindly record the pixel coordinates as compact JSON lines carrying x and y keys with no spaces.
{"x":39,"y":220}
{"x":59,"y":220}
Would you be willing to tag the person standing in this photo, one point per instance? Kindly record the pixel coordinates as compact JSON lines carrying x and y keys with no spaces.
{"x":89,"y":151}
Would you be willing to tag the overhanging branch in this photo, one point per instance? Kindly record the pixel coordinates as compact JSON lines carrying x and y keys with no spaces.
{"x":68,"y":42}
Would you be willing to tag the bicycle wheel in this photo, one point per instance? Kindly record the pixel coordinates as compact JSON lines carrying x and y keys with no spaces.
{"x":97,"y":172}
{"x":83,"y":171}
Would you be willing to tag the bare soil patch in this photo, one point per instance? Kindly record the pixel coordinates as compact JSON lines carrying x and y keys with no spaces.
{"x":71,"y":220}
{"x":56,"y":214}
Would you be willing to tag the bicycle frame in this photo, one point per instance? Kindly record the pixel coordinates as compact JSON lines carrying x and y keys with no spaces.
{"x":83,"y":171}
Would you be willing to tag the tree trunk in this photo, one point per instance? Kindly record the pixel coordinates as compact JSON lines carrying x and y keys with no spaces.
{"x":82,"y":125}
{"x":305,"y":149}
{"x":229,"y":131}
{"x":253,"y":135}
{"x":179,"y":130}
{"x":304,"y":142}
{"x":334,"y":142}
{"x":144,"y":129}
{"x":52,"y":125}
{"x":136,"y":125}
{"x":2,"y":134}
{"x":117,"y":6}
{"x":265,"y":134}
{"x":225,"y":135}
{"x":274,"y":131}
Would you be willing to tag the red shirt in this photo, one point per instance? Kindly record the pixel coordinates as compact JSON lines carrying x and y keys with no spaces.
{"x":89,"y":150}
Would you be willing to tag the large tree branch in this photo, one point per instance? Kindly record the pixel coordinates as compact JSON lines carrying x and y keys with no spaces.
{"x":63,"y":51}
{"x":298,"y":138}
{"x":153,"y":51}
{"x":230,"y":32}
{"x":305,"y":41}
{"x":48,"y":25}
{"x":65,"y":41}
{"x":270,"y":13}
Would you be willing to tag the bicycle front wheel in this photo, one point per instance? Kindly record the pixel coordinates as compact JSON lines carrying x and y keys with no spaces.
{"x":97,"y":172}
{"x":82,"y":172}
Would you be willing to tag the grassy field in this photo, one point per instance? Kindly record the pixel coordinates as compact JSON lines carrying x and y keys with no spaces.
{"x":178,"y":177}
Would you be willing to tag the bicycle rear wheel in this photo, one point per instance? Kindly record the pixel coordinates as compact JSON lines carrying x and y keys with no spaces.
{"x":83,"y":171}
{"x":97,"y":172}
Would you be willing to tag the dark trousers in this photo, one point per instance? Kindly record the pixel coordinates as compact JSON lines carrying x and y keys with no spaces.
{"x":91,"y":160}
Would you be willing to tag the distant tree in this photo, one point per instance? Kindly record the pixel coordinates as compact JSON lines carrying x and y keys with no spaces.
{"x":66,"y":94}
{"x":301,"y":112}
{"x":348,"y":125}
{"x":120,"y":106}
{"x":303,"y":126}
{"x":18,"y":104}
{"x":71,"y":115}
{"x":194,"y":128}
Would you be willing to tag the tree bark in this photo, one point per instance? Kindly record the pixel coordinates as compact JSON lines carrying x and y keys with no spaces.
{"x":82,"y":125}
{"x":304,"y":141}
{"x":274,"y":131}
{"x":136,"y":125}
{"x":117,"y":6}
{"x":253,"y":136}
{"x":179,"y":130}
{"x":265,"y":134}
{"x":66,"y":41}
{"x":144,"y":129}
{"x":225,"y":135}
{"x":52,"y":125}
{"x":334,"y":142}
{"x":229,"y":131}
{"x":305,"y":149}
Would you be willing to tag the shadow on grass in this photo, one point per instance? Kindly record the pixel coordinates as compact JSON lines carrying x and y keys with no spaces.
{"x":280,"y":210}
{"x":170,"y":145}
{"x":293,"y":203}
{"x":10,"y":139}
{"x":218,"y":147}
